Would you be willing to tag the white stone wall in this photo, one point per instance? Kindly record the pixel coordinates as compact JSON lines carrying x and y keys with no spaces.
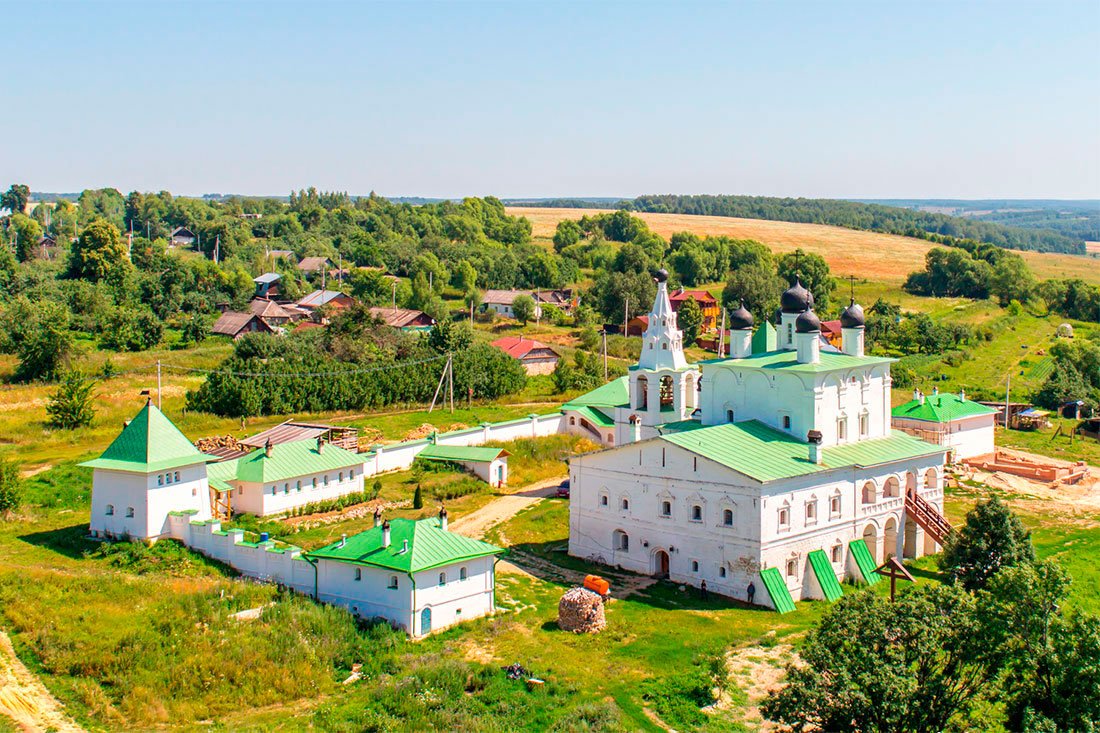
{"x":150,"y":497}
{"x":456,"y":600}
{"x":967,"y":437}
{"x":282,"y":496}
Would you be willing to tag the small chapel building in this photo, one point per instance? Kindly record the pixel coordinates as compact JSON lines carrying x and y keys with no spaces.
{"x":776,"y":466}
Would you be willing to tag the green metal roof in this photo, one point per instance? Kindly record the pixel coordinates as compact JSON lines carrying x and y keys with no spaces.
{"x":429,"y":546}
{"x":766,"y":454}
{"x":594,"y":416}
{"x":765,"y":339}
{"x":788,"y":361}
{"x":941,"y":407}
{"x":291,"y":460}
{"x":150,"y":442}
{"x":461,"y":453}
{"x":615,"y":393}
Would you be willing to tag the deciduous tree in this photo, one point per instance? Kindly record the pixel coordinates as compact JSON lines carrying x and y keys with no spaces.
{"x":15,"y":198}
{"x":99,"y":252}
{"x":690,"y":320}
{"x":523,"y":308}
{"x":991,"y":539}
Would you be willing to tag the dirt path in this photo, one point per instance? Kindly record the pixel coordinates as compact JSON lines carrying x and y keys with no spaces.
{"x":756,"y":671}
{"x":26,"y":700}
{"x":477,"y":523}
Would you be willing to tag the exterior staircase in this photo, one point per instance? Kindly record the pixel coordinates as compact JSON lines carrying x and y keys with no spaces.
{"x":927,"y":517}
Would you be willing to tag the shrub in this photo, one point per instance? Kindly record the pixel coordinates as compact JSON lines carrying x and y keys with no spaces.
{"x":70,"y":406}
{"x":11,"y":487}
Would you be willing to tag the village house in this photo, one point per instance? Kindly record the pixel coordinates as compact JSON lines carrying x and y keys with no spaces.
{"x":536,"y":357}
{"x":314,"y":265}
{"x":773,"y":467}
{"x":405,"y":319}
{"x":267,"y":285}
{"x":333,"y":299}
{"x":500,"y":302}
{"x":831,"y":333}
{"x":950,"y":420}
{"x":272,"y":313}
{"x":149,"y":471}
{"x":708,"y":304}
{"x":282,"y":254}
{"x":182,"y":237}
{"x":415,"y":573}
{"x":235,"y":325}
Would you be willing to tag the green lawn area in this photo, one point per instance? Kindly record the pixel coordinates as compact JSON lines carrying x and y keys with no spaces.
{"x":1046,"y":443}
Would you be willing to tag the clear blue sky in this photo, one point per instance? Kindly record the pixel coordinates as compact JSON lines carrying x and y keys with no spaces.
{"x":843,"y":99}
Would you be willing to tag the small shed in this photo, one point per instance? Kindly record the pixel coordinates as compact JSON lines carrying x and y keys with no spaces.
{"x":331,"y":298}
{"x":182,"y":237}
{"x":1064,"y":331}
{"x":235,"y":325}
{"x":406,"y":319}
{"x":267,"y":284}
{"x":488,"y":464}
{"x":294,"y":430}
{"x":310,"y":265}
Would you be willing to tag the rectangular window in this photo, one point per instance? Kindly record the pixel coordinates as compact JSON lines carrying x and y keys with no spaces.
{"x":811,"y":511}
{"x":842,"y":429}
{"x":358,"y":573}
{"x":784,"y":517}
{"x":786,"y":422}
{"x":864,"y":425}
{"x":666,"y":508}
{"x":792,"y":568}
{"x":834,"y":506}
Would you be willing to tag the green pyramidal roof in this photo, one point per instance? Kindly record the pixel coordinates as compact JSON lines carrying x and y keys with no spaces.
{"x":428,"y":546}
{"x":150,"y":442}
{"x":941,"y":407}
{"x":615,"y":393}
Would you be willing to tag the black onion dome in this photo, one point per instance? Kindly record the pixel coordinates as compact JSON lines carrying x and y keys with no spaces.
{"x":778,"y":317}
{"x":661,"y":275}
{"x":807,"y":322}
{"x":852,"y":317}
{"x":741,"y":319}
{"x":796,"y":298}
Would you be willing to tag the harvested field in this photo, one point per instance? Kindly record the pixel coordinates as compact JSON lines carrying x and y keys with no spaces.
{"x":882,"y":257}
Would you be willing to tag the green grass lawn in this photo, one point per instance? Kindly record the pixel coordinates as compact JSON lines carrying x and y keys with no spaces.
{"x":1047,"y":443}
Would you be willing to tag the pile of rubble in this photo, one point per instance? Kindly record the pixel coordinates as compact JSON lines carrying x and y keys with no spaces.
{"x":581,"y":611}
{"x":427,"y":429}
{"x":216,"y":444}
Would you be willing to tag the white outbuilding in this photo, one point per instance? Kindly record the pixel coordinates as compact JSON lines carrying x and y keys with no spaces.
{"x":950,"y":420}
{"x":149,"y":471}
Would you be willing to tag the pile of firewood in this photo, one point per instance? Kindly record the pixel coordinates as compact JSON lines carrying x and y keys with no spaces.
{"x":219,"y":441}
{"x":581,"y":611}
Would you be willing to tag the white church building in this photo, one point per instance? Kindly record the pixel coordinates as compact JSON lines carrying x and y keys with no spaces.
{"x":776,"y":468}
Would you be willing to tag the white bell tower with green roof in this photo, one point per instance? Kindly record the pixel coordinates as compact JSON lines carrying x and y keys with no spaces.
{"x":150,"y":471}
{"x":662,"y":385}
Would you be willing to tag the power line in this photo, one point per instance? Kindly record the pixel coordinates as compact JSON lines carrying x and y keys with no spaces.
{"x":367,"y":370}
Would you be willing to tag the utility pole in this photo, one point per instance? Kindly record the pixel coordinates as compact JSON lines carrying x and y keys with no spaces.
{"x":1008,"y":388}
{"x":394,"y":296}
{"x":158,"y":385}
{"x":626,"y":311}
{"x":451,"y":380}
{"x":604,"y":334}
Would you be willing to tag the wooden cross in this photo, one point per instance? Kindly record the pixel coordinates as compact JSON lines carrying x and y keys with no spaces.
{"x":893,"y":569}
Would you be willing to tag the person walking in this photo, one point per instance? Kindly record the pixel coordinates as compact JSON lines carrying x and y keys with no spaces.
{"x":751,"y":591}
{"x":703,"y":590}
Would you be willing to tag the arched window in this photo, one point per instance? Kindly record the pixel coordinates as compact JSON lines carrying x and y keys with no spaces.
{"x":727,"y":517}
{"x":931,"y":479}
{"x":834,"y":506}
{"x":625,"y":504}
{"x":869,"y":493}
{"x":603,"y":499}
{"x":315,"y":482}
{"x":462,"y":573}
{"x":696,"y":513}
{"x":286,"y":488}
{"x":811,"y":511}
{"x":572,"y":421}
{"x":722,"y":572}
{"x":694,"y":566}
{"x":341,"y":477}
{"x":443,"y":579}
{"x":642,"y":399}
{"x":298,"y":487}
{"x":666,"y":391}
{"x":359,"y":573}
{"x":792,"y":568}
{"x":167,"y":478}
{"x":326,"y":479}
{"x":864,"y":424}
{"x":620,"y":540}
{"x":110,"y":510}
{"x":729,"y":415}
{"x":784,"y":517}
{"x":842,"y":428}
{"x":176,"y":477}
{"x":160,"y":479}
{"x":666,"y":508}
{"x":393,"y":582}
{"x":838,"y":552}
{"x":129,"y":512}
{"x":892,"y":489}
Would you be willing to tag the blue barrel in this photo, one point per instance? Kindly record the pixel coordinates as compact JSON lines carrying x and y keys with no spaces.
{"x":263,"y":536}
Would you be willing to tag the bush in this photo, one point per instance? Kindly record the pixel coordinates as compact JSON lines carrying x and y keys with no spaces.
{"x":70,"y":405}
{"x":11,"y":487}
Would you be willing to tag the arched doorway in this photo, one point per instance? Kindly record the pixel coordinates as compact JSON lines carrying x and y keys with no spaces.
{"x":910,"y":483}
{"x":660,"y":564}
{"x":870,"y":537}
{"x":643,"y":392}
{"x":931,"y":479}
{"x":426,"y":620}
{"x":890,"y":539}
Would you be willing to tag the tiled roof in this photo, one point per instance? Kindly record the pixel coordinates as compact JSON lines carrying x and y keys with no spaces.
{"x":702,"y":296}
{"x":461,"y":453}
{"x":429,"y":546}
{"x":518,"y":347}
{"x":265,"y":308}
{"x":291,"y":460}
{"x":788,"y":361}
{"x":150,"y":442}
{"x":941,"y":407}
{"x":615,"y":393}
{"x":766,"y":454}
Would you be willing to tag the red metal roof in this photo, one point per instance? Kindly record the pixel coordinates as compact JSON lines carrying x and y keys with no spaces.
{"x":830,"y":328}
{"x":703,"y":296}
{"x":518,"y":347}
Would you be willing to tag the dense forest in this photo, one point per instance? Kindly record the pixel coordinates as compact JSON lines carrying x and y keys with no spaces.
{"x":849,"y":214}
{"x":1077,"y":219}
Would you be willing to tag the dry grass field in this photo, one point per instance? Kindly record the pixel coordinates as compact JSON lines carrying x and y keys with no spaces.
{"x":870,"y":255}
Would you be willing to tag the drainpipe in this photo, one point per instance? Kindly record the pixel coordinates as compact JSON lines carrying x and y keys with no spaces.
{"x":316,"y":592}
{"x":412,"y":609}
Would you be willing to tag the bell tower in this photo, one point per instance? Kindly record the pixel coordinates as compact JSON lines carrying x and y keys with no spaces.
{"x":663,"y":386}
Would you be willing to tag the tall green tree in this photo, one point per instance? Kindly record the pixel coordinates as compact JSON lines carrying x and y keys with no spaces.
{"x":523,"y":308}
{"x":758,"y":286}
{"x":15,"y":198}
{"x":38,"y":333}
{"x":99,"y":253}
{"x":70,"y":405}
{"x":690,"y":320}
{"x":26,"y":232}
{"x":991,"y":539}
{"x":1011,"y":280}
{"x":874,"y":665}
{"x":567,"y":233}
